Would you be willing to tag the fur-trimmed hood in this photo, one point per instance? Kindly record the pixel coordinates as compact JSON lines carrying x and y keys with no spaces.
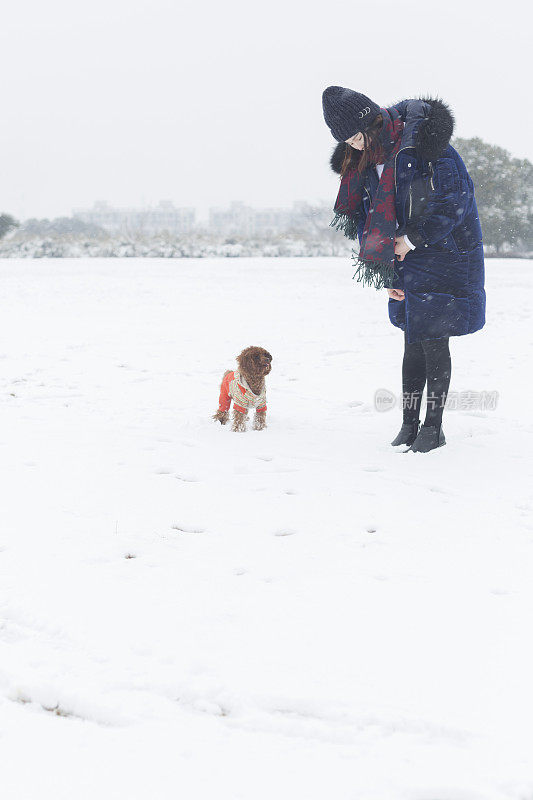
{"x":429,"y":124}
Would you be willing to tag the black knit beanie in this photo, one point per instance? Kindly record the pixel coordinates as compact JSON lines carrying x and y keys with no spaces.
{"x":347,"y":112}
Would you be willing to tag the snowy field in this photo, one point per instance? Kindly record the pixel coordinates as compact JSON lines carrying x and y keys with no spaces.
{"x":299,"y":613}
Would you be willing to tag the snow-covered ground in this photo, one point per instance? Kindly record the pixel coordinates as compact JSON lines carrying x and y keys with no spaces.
{"x":301,"y":612}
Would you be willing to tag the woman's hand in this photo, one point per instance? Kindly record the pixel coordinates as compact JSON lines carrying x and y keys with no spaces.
{"x":400,"y":248}
{"x":396,"y":294}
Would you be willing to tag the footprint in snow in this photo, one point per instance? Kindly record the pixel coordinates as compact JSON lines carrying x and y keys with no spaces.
{"x":188,"y":528}
{"x":208,"y":707}
{"x":188,"y":478}
{"x":285,"y":532}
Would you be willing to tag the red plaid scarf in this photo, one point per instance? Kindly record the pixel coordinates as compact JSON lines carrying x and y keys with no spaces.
{"x":375,"y":259}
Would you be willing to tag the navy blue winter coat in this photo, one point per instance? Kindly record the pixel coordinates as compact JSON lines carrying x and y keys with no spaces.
{"x":443,"y":277}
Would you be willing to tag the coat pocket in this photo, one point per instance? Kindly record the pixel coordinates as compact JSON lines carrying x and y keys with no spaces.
{"x":450,"y":244}
{"x":466,"y":238}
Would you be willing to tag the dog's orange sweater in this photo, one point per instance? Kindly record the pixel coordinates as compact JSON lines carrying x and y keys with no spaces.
{"x":234,"y":387}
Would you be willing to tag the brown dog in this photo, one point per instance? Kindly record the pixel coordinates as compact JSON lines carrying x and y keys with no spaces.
{"x":246,"y":387}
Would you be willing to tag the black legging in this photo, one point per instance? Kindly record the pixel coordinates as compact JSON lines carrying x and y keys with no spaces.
{"x":429,"y":359}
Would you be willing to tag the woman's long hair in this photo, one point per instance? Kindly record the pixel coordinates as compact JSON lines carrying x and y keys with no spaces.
{"x":372,"y":153}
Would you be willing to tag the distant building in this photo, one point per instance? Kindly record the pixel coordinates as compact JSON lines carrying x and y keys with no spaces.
{"x":163,"y":217}
{"x":239,"y":219}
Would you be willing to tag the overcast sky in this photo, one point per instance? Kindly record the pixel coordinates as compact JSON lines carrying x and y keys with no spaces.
{"x":206,"y":102}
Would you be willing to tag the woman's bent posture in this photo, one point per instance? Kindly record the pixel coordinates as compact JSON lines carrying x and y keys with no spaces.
{"x":406,"y":196}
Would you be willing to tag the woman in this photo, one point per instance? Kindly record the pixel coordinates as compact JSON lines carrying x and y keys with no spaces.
{"x":406,"y":195}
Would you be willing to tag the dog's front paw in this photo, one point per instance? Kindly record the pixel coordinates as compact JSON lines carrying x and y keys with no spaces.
{"x":222,"y":417}
{"x":260,"y":422}
{"x":239,"y":421}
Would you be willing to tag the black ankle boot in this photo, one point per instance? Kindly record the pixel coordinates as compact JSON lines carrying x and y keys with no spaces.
{"x":429,"y":437}
{"x":407,"y":434}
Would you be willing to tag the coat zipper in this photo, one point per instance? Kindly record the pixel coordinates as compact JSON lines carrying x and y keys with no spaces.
{"x":410,"y":185}
{"x":395,"y":157}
